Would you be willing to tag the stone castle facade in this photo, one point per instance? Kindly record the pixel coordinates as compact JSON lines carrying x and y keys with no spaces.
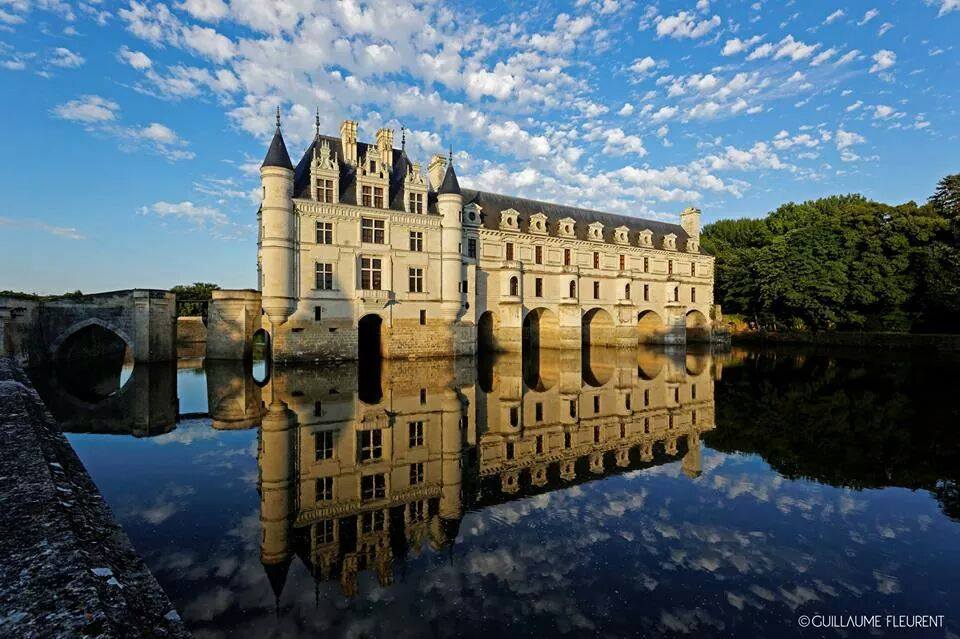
{"x":358,"y":244}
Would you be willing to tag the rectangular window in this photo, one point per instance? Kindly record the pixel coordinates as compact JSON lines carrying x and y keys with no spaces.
{"x":596,"y":404}
{"x":318,"y":408}
{"x":623,"y":262}
{"x":415,"y":280}
{"x":693,"y":294}
{"x":372,"y":521}
{"x":539,"y":444}
{"x":539,"y":411}
{"x":464,"y":286}
{"x":573,"y":408}
{"x":416,"y":474}
{"x":325,"y":190}
{"x":366,"y":196}
{"x":471,"y":247}
{"x":378,"y":197}
{"x":596,"y":434}
{"x":538,"y":254}
{"x":538,"y":287}
{"x":324,"y":232}
{"x":676,"y":293}
{"x":418,"y":510}
{"x":371,"y":231}
{"x":325,"y":532}
{"x":370,"y":444}
{"x":509,"y":450}
{"x":670,"y":267}
{"x":371,"y":273}
{"x":415,"y":201}
{"x":324,"y":488}
{"x":646,"y":397}
{"x":423,"y":317}
{"x":509,"y":250}
{"x":324,"y":277}
{"x":627,"y":402}
{"x":567,"y":440}
{"x":423,"y":395}
{"x":646,"y":264}
{"x":415,"y":430}
{"x":373,"y":487}
{"x":646,"y":292}
{"x":596,"y":290}
{"x":693,"y":269}
{"x":416,"y":241}
{"x":693,"y":391}
{"x":317,"y":313}
{"x":323,"y":444}
{"x":566,"y":257}
{"x":596,"y":260}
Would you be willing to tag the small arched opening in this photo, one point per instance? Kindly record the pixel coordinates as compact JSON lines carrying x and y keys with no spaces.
{"x":93,"y":361}
{"x":698,"y":327}
{"x":262,"y":357}
{"x":573,"y":288}
{"x":514,"y":286}
{"x":486,"y":332}
{"x":650,"y":327}
{"x":541,"y":329}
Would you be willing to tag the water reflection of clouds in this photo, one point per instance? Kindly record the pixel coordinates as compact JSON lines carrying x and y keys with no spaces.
{"x":168,"y":502}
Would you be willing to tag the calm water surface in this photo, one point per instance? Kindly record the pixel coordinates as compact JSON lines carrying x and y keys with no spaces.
{"x":621,"y":494}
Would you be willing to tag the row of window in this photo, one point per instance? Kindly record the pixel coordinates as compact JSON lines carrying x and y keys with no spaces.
{"x":369,"y":442}
{"x":372,"y":487}
{"x":568,"y":259}
{"x":627,"y":402}
{"x":572,"y":290}
{"x":374,"y":232}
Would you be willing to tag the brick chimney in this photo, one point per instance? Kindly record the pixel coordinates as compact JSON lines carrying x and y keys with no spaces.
{"x":436,"y":169}
{"x":348,"y":138}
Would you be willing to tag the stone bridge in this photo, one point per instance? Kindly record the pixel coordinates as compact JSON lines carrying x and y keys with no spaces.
{"x":139,"y":324}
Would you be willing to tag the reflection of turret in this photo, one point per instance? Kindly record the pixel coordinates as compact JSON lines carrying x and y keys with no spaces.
{"x":692,"y":465}
{"x":276,"y":498}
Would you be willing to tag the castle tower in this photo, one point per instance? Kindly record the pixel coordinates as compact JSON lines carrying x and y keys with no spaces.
{"x":277,"y":232}
{"x":450,"y":206}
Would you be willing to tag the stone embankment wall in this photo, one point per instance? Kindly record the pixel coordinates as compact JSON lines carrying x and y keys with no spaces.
{"x":66,"y":567}
{"x":861,"y":340}
{"x":191,"y":330}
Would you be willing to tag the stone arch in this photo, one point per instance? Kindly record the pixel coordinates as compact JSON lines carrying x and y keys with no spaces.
{"x":487,"y":331}
{"x":514,"y":286}
{"x":541,"y":329}
{"x":650,"y":327}
{"x":261,"y":350}
{"x":698,"y":327}
{"x":79,"y":326}
{"x":597,"y":328}
{"x":370,"y":342}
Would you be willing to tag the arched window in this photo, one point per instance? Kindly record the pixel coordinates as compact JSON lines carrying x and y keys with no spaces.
{"x":626,"y":292}
{"x":573,"y":288}
{"x":676,"y":293}
{"x":514,"y":286}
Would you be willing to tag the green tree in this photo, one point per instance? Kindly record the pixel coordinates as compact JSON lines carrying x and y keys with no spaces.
{"x":192,"y":299}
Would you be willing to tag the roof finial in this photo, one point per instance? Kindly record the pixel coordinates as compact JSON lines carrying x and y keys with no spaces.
{"x":450,"y":155}
{"x":278,"y":117}
{"x":317,"y":122}
{"x":403,"y":138}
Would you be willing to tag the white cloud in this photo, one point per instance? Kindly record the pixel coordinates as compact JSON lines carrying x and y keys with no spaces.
{"x":136,"y":59}
{"x":882,"y":60}
{"x":853,"y":107}
{"x":736,"y":45}
{"x":643,"y":66}
{"x":685,"y":25}
{"x":509,"y":135}
{"x":886,"y":112}
{"x":794,"y":49}
{"x":87,"y":109}
{"x":763,"y":51}
{"x":847,"y":57}
{"x":67,"y":232}
{"x":66,"y":59}
{"x":946,"y":6}
{"x":197,"y":214}
{"x":846,"y":139}
{"x":868,"y":16}
{"x":626,"y":109}
{"x":208,"y":43}
{"x":823,"y":56}
{"x":833,"y":17}
{"x":207,"y":10}
{"x":886,"y":26}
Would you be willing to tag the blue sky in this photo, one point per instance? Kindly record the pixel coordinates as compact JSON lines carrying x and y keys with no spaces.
{"x":133,"y":130}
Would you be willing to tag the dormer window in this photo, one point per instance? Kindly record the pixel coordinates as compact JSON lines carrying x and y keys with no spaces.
{"x":693,"y":246}
{"x":372,"y":183}
{"x":508,"y":219}
{"x":566,"y":226}
{"x":415,"y":202}
{"x":622,"y":235}
{"x":324,"y":188}
{"x":646,"y":237}
{"x":670,"y":242}
{"x":471,"y":214}
{"x":324,"y":174}
{"x":596,"y":232}
{"x":538,"y":223}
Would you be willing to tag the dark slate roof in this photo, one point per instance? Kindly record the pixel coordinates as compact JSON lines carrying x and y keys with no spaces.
{"x":492,"y":204}
{"x":277,"y":153}
{"x":449,"y":185}
{"x":348,"y":173}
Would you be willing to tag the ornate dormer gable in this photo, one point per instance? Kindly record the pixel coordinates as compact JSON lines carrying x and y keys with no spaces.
{"x":510,"y":220}
{"x":621,"y":235}
{"x":472,"y":213}
{"x":596,"y":232}
{"x":670,"y":242}
{"x":693,"y":246}
{"x":538,"y":224}
{"x":566,"y":227}
{"x":646,"y":238}
{"x":415,"y":190}
{"x":324,"y":174}
{"x":372,"y":181}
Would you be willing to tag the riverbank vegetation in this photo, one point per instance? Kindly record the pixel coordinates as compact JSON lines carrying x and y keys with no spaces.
{"x":844,"y":262}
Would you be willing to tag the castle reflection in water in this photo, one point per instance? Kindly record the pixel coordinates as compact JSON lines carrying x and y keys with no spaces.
{"x":362,"y":465}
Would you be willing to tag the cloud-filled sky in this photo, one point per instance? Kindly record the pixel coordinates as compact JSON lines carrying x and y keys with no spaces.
{"x":134,"y":130}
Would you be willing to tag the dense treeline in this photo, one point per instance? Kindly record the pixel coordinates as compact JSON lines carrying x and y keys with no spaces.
{"x":844,"y":262}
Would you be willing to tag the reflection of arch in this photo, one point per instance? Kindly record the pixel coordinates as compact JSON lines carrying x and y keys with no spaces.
{"x":597,"y":365}
{"x":650,"y":327}
{"x":696,"y":363}
{"x":541,"y":329}
{"x":262,"y":357}
{"x":650,"y":363}
{"x":597,"y":328}
{"x":370,"y":336}
{"x":539,"y":370}
{"x":95,"y":322}
{"x":514,"y":286}
{"x":370,"y":352}
{"x":486,"y":331}
{"x":698,"y":327}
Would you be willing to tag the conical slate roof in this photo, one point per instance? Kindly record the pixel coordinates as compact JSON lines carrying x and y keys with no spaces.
{"x":449,"y":183}
{"x":277,"y":153}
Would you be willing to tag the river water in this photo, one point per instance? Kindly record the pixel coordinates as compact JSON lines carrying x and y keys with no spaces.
{"x":647,"y":493}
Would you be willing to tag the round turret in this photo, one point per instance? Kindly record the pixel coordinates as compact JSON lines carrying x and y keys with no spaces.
{"x":277,"y":231}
